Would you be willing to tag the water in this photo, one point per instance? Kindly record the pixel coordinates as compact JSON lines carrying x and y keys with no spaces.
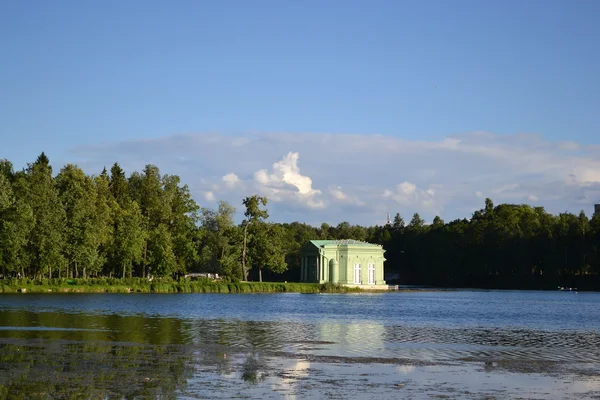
{"x":497,"y":344}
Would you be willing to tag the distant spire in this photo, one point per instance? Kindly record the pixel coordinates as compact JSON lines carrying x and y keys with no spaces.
{"x":389,"y":221}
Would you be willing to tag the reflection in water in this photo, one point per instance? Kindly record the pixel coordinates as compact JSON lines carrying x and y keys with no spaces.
{"x":354,"y":338}
{"x":89,"y":370}
{"x":253,"y":369}
{"x":64,"y":355}
{"x":376,"y":340}
{"x":77,"y":327}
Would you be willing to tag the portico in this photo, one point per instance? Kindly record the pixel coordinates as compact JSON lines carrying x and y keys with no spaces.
{"x":348,"y":262}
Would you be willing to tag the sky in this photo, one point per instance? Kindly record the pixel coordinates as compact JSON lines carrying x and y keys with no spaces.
{"x":337,"y":110}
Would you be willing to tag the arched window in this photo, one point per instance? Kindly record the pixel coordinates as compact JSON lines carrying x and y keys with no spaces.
{"x":357,"y":279}
{"x":371,"y":273}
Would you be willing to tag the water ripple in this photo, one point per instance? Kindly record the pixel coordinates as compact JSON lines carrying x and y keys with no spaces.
{"x":378,"y":340}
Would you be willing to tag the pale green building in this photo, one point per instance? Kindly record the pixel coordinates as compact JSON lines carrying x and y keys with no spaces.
{"x":347,"y":262}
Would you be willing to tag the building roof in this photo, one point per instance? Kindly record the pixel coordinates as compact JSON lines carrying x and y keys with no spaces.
{"x":342,"y":242}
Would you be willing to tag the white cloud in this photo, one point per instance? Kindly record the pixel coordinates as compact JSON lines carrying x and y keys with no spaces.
{"x":337,"y":193}
{"x":339,"y":196}
{"x":407,"y":194}
{"x":209,"y":196}
{"x":285,"y":182}
{"x":360,"y":178}
{"x":240,"y":141}
{"x":231,"y":179}
{"x":569,"y":146}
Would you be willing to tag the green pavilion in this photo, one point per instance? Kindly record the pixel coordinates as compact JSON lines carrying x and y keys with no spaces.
{"x":347,"y":262}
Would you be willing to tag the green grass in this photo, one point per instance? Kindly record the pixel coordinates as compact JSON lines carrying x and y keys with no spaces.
{"x":139,"y":285}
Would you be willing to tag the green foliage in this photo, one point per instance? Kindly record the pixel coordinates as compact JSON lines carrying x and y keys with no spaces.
{"x":75,"y":226}
{"x":118,"y":185}
{"x":83,"y":231}
{"x":220,"y":251}
{"x":6,"y":170}
{"x":503,"y":246}
{"x":140,"y":285}
{"x":398,"y":222}
{"x":266,"y":247}
{"x":46,"y":242}
{"x":160,"y":248}
{"x":182,"y":222}
{"x":255,"y":218}
{"x":129,"y":236}
{"x":16,"y":223}
{"x":329,"y":287}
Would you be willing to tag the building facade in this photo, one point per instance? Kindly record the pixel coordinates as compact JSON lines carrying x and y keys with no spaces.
{"x":346,"y":262}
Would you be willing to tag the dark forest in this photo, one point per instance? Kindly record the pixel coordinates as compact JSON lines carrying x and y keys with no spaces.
{"x":73,"y":225}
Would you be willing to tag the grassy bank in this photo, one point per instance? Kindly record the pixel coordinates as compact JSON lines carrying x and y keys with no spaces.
{"x":139,"y":285}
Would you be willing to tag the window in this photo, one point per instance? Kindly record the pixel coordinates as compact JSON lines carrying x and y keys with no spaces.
{"x":371,"y":274}
{"x":357,"y":274}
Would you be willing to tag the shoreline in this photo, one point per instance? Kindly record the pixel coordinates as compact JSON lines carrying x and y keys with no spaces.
{"x":141,"y":285}
{"x":183,"y":285}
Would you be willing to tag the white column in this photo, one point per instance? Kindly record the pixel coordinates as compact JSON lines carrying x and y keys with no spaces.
{"x":318,"y":268}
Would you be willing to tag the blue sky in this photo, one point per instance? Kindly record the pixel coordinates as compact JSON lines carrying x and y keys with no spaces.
{"x":384,"y":106}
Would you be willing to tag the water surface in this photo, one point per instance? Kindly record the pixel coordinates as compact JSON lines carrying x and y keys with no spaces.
{"x":419,"y":344}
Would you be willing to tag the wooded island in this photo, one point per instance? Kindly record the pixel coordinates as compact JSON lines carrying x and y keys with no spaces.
{"x":71,"y":225}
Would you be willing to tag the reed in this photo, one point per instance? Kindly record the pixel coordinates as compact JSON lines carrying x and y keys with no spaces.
{"x":165,"y":285}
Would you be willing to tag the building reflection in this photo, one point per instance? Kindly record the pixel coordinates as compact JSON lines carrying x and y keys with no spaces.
{"x":354,"y":338}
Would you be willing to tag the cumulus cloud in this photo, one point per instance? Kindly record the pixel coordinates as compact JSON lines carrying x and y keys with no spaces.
{"x":339,"y":196}
{"x":407,"y":194}
{"x":337,"y":193}
{"x":231,"y":180}
{"x":285,"y":182}
{"x":360,"y":178}
{"x":209,"y":196}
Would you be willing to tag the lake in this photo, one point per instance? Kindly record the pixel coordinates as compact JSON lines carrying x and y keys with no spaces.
{"x":420,"y":344}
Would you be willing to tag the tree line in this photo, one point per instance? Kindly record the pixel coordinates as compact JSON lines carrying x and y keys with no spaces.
{"x":73,"y":225}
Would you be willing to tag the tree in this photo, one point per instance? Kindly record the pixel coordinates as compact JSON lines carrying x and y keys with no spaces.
{"x":45,"y":245}
{"x":119,"y":187}
{"x":220,"y":252}
{"x":129,"y":236}
{"x":123,"y":226}
{"x":266,"y":248}
{"x":166,"y":208}
{"x":16,"y":222}
{"x":489,"y":207}
{"x":78,"y":195}
{"x":102,"y":221}
{"x":296,"y":234}
{"x":254,"y":215}
{"x":161,"y":256}
{"x":398,"y":222}
{"x":6,"y":193}
{"x":183,"y":217}
{"x":325,"y":231}
{"x":416,"y":224}
{"x":415,"y":247}
{"x":6,"y":169}
{"x":437,"y":222}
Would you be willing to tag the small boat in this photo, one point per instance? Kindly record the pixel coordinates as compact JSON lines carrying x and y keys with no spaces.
{"x":567,"y":289}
